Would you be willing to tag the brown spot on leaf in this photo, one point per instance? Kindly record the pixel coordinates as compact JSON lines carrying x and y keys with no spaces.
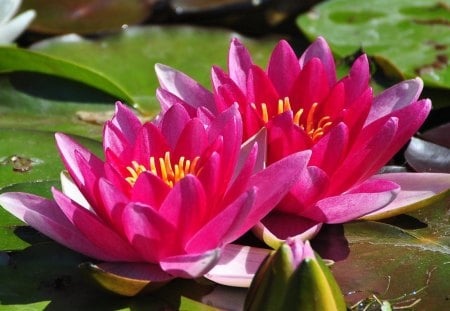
{"x":19,"y":163}
{"x":440,"y":62}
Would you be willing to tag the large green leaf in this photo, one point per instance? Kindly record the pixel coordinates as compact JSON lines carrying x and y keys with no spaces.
{"x":128,"y":58}
{"x":406,"y":258}
{"x":406,"y":37}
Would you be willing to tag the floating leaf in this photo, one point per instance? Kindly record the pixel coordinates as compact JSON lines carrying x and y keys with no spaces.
{"x":425,"y":156}
{"x":407,"y":36}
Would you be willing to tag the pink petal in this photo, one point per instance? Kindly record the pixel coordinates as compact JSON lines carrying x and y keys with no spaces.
{"x":328,"y":152}
{"x":150,"y":234}
{"x":357,"y":80}
{"x":115,"y":141}
{"x":239,"y":63}
{"x":126,"y":121}
{"x":191,"y":265}
{"x":367,"y":197}
{"x":283,"y":68}
{"x":68,"y":148}
{"x":45,"y":216}
{"x":184,"y":87}
{"x":261,"y":90}
{"x":71,"y":190}
{"x":149,"y":142}
{"x":185,"y":207}
{"x":173,"y":122}
{"x":237,"y":265}
{"x":320,"y":49}
{"x":416,"y":188}
{"x":95,"y":230}
{"x":225,"y":227}
{"x":274,"y":182}
{"x":149,"y":189}
{"x":395,"y":98}
{"x":192,"y":141}
{"x":167,"y":100}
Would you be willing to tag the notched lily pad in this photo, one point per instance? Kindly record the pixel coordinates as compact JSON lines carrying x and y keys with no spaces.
{"x":406,"y":37}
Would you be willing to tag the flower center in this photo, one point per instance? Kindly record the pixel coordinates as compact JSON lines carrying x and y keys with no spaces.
{"x":315,"y":129}
{"x":164,"y":169}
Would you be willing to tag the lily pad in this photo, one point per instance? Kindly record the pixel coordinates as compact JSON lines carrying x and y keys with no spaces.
{"x":426,"y":156}
{"x":405,"y":258}
{"x":407,"y":36}
{"x":128,"y":58}
{"x":87,"y":16}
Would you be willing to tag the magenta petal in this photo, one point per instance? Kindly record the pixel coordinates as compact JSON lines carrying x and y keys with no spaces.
{"x":173,"y":122}
{"x":136,"y":271}
{"x":149,"y":189}
{"x":283,"y":68}
{"x":274,"y":182}
{"x":320,"y":49}
{"x":192,"y":141}
{"x":357,"y":80}
{"x":415,"y":187}
{"x":95,"y":230}
{"x":369,"y":196}
{"x":225,"y":227}
{"x":237,"y":265}
{"x":68,"y":148}
{"x":149,"y":232}
{"x":239,"y":63}
{"x":184,"y":87}
{"x":185,"y":207}
{"x":191,"y":265}
{"x":261,"y":90}
{"x":45,"y":216}
{"x":126,"y":121}
{"x":395,"y":98}
{"x":116,"y":141}
{"x":167,"y":100}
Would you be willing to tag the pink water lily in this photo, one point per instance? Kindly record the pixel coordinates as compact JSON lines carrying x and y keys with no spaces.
{"x":167,"y":197}
{"x":303,"y":106}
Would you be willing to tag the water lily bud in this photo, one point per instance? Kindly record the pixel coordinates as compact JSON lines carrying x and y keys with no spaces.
{"x":294,"y":278}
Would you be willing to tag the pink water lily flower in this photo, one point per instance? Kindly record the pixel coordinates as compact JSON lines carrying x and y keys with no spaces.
{"x":166,"y":199}
{"x":303,"y":106}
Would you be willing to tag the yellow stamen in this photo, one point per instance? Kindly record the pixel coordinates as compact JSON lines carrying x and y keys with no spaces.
{"x":168,"y":173}
{"x":265,"y":113}
{"x":297,"y":117}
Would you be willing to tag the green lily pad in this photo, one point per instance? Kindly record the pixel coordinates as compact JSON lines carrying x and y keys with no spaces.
{"x":128,"y":58}
{"x":86,"y":16}
{"x":404,"y":260}
{"x":411,"y":37}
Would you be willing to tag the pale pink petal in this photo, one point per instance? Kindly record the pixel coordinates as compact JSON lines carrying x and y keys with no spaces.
{"x":95,"y":230}
{"x":126,"y":121}
{"x":320,"y":49}
{"x":395,"y":98}
{"x":45,"y":216}
{"x":369,"y":196}
{"x":191,"y":265}
{"x":237,"y":265}
{"x":71,"y":190}
{"x":184,"y":87}
{"x":416,"y":188}
{"x":167,"y":100}
{"x":239,"y":63}
{"x":283,"y":68}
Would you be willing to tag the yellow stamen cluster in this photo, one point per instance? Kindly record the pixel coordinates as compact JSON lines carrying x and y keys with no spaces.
{"x":169,"y":173}
{"x":314,"y":130}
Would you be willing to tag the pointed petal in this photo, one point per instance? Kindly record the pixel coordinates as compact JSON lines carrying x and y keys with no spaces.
{"x":71,"y":190}
{"x":150,"y":190}
{"x":283,"y":68}
{"x":15,"y":27}
{"x":126,"y":121}
{"x":395,"y":98}
{"x":184,"y":87}
{"x":417,"y":190}
{"x":237,"y":265}
{"x":320,"y":49}
{"x":191,"y":265}
{"x":95,"y":230}
{"x":225,"y":227}
{"x":239,"y":63}
{"x":261,"y":90}
{"x":357,"y":80}
{"x":193,"y":140}
{"x":367,"y":197}
{"x":147,"y":230}
{"x":167,"y":100}
{"x":173,"y":123}
{"x":45,"y":216}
